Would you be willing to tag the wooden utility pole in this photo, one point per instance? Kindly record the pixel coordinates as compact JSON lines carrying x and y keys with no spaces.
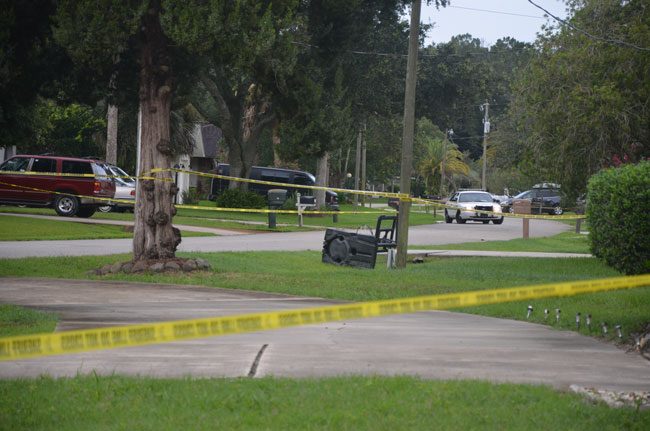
{"x":363,"y":165}
{"x":486,"y":130}
{"x":357,"y":168}
{"x":407,"y":137}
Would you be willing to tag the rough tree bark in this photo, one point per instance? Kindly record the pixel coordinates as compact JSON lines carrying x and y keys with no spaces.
{"x":111,"y":134}
{"x":276,"y":141}
{"x":322,"y":178}
{"x":154,"y":237}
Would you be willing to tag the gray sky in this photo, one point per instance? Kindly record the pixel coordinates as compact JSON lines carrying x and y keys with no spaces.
{"x":494,"y":20}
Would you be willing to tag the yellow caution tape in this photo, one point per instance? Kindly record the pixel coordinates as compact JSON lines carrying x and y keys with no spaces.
{"x":96,"y":198}
{"x":266,"y":211}
{"x":283,"y":185}
{"x":30,"y":346}
{"x":439,"y":204}
{"x":59,"y":174}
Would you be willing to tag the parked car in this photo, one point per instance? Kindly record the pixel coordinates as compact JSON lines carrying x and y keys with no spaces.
{"x":69,"y":185}
{"x":542,"y":199}
{"x":124,"y":190}
{"x":466,"y":204}
{"x":276,"y":175}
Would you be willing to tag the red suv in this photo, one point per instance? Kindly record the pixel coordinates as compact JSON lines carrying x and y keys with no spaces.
{"x":65,"y":183}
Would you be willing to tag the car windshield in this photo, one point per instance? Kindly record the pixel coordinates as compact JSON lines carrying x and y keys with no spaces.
{"x":475,"y":197}
{"x":523,"y":195}
{"x":122,"y":177}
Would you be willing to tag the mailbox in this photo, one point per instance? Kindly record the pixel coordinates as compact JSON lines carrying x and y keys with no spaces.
{"x":276,"y":198}
{"x":309,"y":201}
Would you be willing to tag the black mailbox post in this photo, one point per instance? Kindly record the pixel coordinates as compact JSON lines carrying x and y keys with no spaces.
{"x":276,"y":198}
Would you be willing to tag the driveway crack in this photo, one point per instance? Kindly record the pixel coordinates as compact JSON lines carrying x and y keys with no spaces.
{"x":256,"y":362}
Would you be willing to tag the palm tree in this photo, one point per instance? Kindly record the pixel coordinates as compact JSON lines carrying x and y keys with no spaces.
{"x":438,"y":152}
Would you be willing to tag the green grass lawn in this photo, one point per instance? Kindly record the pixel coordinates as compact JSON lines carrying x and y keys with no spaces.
{"x":15,"y":320}
{"x":343,"y":403}
{"x":566,"y":242}
{"x":29,"y":229}
{"x":349,"y":402}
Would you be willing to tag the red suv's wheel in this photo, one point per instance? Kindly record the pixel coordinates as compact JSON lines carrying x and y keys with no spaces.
{"x":66,"y":206}
{"x":86,"y":211}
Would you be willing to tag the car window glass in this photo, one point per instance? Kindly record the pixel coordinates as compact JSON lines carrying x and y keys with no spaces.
{"x":475,"y":197}
{"x":15,"y":165}
{"x":275,"y":176}
{"x":74,"y":167}
{"x":300,"y":179}
{"x":43,"y":165}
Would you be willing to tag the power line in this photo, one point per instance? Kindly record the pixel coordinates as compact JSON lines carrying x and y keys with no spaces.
{"x":439,"y":54}
{"x":592,"y":36}
{"x":496,"y":11}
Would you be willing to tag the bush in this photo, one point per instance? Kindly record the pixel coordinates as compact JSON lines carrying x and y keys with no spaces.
{"x":191,"y":196}
{"x":618,"y":210}
{"x":236,"y":198}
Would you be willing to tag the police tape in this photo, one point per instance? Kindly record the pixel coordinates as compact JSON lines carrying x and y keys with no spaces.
{"x":30,"y":346}
{"x":74,"y":175}
{"x":194,"y":207}
{"x":95,"y":198}
{"x":283,"y":185}
{"x":278,"y":211}
{"x":441,"y":205}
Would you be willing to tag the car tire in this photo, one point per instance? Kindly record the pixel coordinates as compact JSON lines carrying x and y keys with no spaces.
{"x":66,"y":205}
{"x":485,"y":221}
{"x":511,"y":210}
{"x":459,"y":219}
{"x":447,"y":218}
{"x":86,"y":211}
{"x":105,"y":208}
{"x":557,"y":210}
{"x":498,"y":221}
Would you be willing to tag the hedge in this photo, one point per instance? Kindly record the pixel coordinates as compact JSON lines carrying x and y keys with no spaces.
{"x":618,"y":210}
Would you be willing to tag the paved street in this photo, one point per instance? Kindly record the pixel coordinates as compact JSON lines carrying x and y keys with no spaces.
{"x":439,"y":345}
{"x":425,"y":235}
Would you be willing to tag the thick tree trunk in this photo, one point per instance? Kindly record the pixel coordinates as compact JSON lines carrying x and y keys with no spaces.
{"x":154,"y":237}
{"x":111,"y":134}
{"x":275,"y":141}
{"x":322,"y":178}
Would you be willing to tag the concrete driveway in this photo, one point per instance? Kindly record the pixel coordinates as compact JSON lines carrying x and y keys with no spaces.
{"x":439,"y":345}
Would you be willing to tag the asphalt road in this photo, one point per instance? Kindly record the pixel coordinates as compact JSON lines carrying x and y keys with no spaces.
{"x":437,"y":345}
{"x":425,"y":235}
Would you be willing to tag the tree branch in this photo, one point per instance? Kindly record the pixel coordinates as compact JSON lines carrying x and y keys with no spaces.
{"x":223,"y":112}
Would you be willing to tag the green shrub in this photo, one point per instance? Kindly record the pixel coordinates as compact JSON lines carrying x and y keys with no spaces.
{"x":236,"y":198}
{"x":618,"y":210}
{"x":191,"y":196}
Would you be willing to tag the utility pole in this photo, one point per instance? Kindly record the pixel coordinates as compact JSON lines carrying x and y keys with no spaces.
{"x":407,"y":137}
{"x":486,"y":129}
{"x":448,"y":133}
{"x":357,"y":168}
{"x":363,"y":164}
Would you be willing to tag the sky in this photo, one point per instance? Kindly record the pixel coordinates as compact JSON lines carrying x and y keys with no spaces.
{"x":495,"y":19}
